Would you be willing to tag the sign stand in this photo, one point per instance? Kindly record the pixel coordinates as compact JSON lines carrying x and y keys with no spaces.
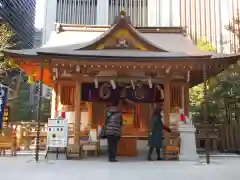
{"x":57,"y":136}
{"x":57,"y":152}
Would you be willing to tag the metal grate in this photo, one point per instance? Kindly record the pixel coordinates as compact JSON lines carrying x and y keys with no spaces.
{"x":136,"y":9}
{"x":77,"y":12}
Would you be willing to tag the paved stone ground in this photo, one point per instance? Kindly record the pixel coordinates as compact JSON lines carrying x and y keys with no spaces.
{"x":21,"y":168}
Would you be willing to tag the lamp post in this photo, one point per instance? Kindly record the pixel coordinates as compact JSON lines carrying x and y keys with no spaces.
{"x":205,"y":111}
{"x":39,"y":110}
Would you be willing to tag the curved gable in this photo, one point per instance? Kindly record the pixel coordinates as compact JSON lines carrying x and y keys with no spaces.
{"x":122,"y":35}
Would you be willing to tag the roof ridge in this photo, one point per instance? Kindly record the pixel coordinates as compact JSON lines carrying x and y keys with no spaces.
{"x":149,"y":29}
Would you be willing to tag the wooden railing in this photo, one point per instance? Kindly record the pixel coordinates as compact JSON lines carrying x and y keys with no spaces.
{"x":26,"y":134}
{"x":8,"y":141}
{"x":226,"y":138}
{"x":223,"y":138}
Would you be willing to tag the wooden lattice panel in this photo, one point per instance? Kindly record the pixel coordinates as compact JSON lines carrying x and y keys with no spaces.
{"x":68,"y":95}
{"x":176,"y":99}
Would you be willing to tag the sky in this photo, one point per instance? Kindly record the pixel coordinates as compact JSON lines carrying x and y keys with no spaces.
{"x":39,"y":19}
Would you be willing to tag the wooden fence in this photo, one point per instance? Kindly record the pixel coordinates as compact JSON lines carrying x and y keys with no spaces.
{"x":229,"y":138}
{"x":222,"y":138}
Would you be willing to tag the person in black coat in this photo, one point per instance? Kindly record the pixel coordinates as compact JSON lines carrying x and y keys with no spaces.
{"x":156,"y":133}
{"x":113,"y":129}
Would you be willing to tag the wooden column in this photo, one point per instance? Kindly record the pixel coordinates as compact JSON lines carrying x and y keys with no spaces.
{"x":89,"y":108}
{"x":182,"y":105}
{"x":166,"y":108}
{"x":53,"y":103}
{"x":77,"y":115}
{"x":186,"y":99}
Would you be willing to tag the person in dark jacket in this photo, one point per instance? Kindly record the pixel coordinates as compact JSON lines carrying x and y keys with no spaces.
{"x":113,"y":130}
{"x":156,"y":133}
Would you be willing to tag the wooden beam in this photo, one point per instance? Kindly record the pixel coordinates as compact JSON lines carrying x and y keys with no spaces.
{"x":148,"y":63}
{"x":77,"y":115}
{"x":186,"y":99}
{"x":155,"y":80}
{"x":67,"y":81}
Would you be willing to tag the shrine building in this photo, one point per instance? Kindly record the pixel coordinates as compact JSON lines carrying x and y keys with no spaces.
{"x":88,"y":66}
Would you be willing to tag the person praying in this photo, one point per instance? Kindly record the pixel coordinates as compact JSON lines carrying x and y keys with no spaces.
{"x":156,"y":133}
{"x":113,"y":129}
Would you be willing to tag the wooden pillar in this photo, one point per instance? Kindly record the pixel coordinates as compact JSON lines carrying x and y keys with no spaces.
{"x":77,"y":115}
{"x":182,"y":106}
{"x":53,"y":103}
{"x":186,"y":99}
{"x":166,"y":108}
{"x":89,"y":108}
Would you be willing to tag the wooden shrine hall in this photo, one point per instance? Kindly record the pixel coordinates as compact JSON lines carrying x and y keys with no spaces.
{"x":87,"y":66}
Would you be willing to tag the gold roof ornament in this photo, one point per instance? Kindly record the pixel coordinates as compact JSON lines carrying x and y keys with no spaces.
{"x":122,"y":13}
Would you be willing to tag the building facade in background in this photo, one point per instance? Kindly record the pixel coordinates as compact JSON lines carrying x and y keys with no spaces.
{"x":208,"y":19}
{"x":38,"y":38}
{"x":204,"y":19}
{"x":20,"y":15}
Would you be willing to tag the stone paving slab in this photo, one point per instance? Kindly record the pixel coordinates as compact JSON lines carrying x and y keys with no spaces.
{"x":23,"y":168}
{"x":32,"y":152}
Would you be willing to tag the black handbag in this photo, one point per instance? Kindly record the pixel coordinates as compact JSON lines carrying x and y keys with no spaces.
{"x":102,"y":134}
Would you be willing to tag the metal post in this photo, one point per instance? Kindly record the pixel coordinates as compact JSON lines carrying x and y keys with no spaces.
{"x":205,"y":113}
{"x":39,"y":110}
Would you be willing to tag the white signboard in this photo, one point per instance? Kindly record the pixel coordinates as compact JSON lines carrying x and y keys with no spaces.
{"x":57,"y":134}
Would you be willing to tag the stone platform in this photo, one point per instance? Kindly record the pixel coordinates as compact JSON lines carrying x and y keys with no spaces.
{"x":21,"y":167}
